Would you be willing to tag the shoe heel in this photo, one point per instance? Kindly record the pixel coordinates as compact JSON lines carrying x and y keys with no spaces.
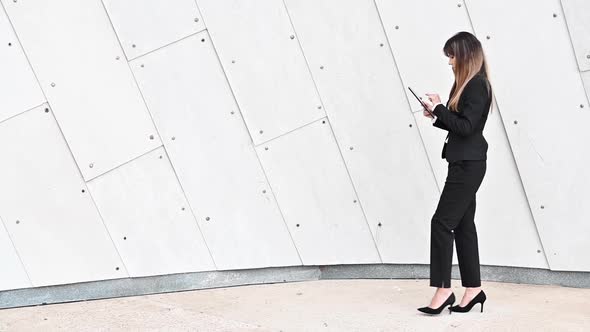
{"x":482,"y":301}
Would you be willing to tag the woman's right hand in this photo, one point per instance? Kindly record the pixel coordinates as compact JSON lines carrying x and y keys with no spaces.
{"x":425,"y":107}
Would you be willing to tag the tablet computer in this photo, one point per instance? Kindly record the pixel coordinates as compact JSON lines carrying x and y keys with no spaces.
{"x":421,"y":102}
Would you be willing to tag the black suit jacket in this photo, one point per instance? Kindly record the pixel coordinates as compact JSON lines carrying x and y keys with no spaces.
{"x":465,"y":127}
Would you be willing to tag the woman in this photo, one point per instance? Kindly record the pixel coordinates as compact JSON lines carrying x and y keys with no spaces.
{"x":464,"y":118}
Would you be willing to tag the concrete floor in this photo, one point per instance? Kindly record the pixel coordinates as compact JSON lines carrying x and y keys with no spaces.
{"x":322,"y":305}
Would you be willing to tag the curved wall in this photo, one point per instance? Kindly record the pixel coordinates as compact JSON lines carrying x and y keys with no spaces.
{"x":153,"y":138}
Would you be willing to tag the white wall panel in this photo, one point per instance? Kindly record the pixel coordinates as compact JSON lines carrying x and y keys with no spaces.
{"x":81,"y":68}
{"x":577,"y":14}
{"x":46,"y":209}
{"x":318,"y":201}
{"x":417,"y":44}
{"x":148,"y":217}
{"x":144,"y":25}
{"x":545,"y":112}
{"x":209,"y":147}
{"x":586,"y":80}
{"x":372,"y":122}
{"x":19,"y":90}
{"x":264,"y":64}
{"x":501,"y":200}
{"x":13,"y":272}
{"x":417,"y":49}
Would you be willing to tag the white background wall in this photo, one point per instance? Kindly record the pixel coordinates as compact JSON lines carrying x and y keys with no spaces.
{"x":152,"y":137}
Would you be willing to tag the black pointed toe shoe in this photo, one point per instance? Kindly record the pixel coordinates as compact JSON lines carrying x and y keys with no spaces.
{"x":449,"y":301}
{"x":479,"y":298}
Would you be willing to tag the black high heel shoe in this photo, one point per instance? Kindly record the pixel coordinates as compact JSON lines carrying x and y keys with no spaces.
{"x":479,"y":298}
{"x":450,"y":300}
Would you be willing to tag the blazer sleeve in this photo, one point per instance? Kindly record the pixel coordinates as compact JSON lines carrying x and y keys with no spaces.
{"x":464,"y":122}
{"x":439,"y":124}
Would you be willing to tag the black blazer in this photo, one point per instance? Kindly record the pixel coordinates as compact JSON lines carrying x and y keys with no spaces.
{"x":465,"y":127}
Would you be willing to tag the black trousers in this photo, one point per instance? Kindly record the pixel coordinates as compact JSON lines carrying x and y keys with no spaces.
{"x":454,"y":219}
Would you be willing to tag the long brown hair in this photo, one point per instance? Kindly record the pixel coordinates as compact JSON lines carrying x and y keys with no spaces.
{"x":470,"y":60}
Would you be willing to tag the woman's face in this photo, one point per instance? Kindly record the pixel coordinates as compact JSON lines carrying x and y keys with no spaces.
{"x":452,"y":62}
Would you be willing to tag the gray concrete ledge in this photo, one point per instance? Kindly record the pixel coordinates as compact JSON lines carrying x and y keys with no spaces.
{"x":114,"y":288}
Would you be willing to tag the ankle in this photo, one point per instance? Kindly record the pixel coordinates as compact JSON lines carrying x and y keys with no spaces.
{"x":472,"y":289}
